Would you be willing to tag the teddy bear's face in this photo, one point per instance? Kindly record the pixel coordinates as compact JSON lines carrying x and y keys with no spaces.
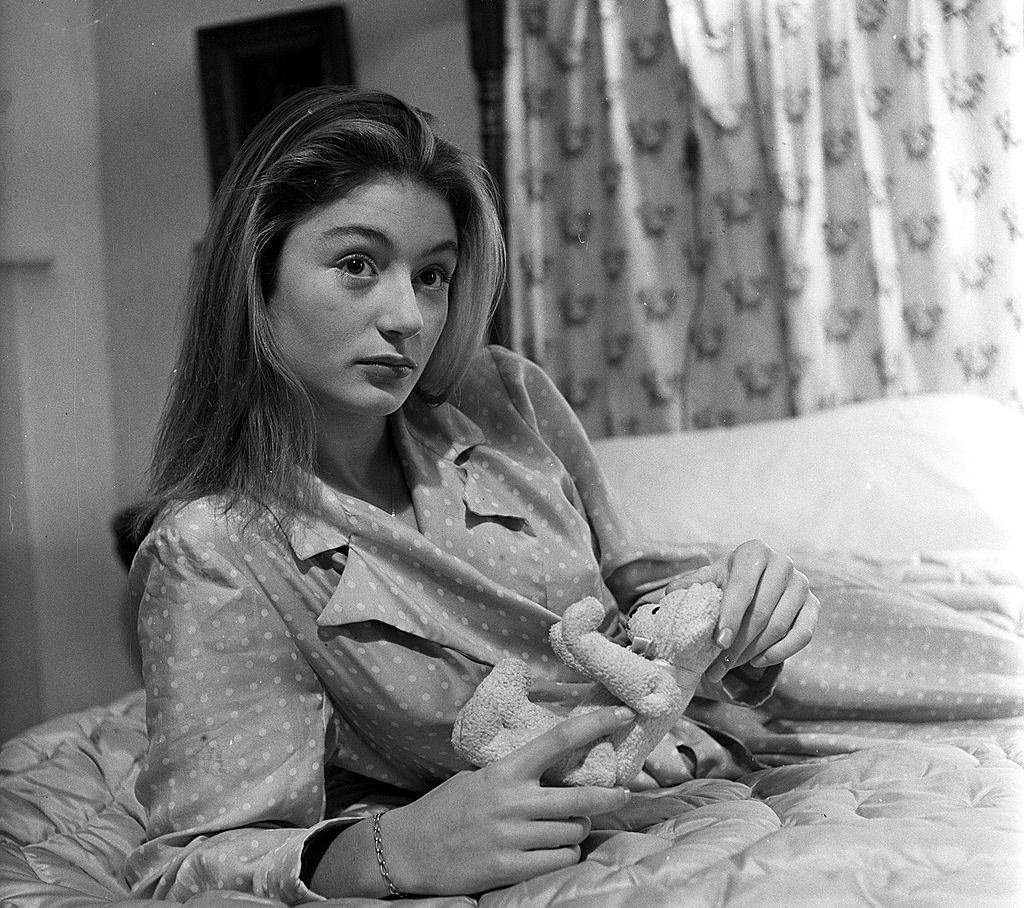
{"x":682,"y":622}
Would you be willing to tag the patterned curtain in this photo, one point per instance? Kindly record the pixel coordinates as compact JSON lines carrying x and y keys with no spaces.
{"x":730,"y":210}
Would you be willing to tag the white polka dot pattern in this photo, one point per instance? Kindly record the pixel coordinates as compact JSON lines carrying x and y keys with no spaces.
{"x":884,"y":650}
{"x":352,"y":641}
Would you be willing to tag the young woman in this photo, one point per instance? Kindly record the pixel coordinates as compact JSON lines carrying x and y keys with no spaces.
{"x":358,"y":511}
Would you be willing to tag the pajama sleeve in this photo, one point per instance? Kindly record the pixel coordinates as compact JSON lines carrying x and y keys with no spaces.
{"x":643,"y":564}
{"x":233,"y":781}
{"x":620,"y":538}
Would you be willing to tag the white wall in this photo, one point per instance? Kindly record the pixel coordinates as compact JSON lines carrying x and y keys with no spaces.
{"x":60,"y":641}
{"x":103,"y":194}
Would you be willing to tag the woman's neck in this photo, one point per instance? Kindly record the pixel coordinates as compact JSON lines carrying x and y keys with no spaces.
{"x":358,"y":459}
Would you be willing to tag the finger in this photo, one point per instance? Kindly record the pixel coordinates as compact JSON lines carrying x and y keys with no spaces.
{"x":776,"y":572}
{"x":513,"y":866}
{"x":775,"y":581}
{"x":558,"y":833}
{"x":781,"y":618}
{"x":748,"y":562}
{"x":578,"y":801}
{"x":799,"y":635}
{"x":778,"y":601}
{"x":537,"y":755}
{"x":544,"y":860}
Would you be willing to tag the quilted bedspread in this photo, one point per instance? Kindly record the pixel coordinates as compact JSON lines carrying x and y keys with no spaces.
{"x":893,"y":773}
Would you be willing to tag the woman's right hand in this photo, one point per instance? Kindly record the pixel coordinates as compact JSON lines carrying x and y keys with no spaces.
{"x":498,"y":825}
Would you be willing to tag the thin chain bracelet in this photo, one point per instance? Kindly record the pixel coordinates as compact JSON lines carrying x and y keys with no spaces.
{"x":378,"y":844}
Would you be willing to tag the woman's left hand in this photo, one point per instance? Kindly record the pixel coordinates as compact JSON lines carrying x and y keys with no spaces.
{"x":768,"y":610}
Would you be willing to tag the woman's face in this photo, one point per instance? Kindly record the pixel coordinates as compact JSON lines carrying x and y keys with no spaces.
{"x":362,"y":295}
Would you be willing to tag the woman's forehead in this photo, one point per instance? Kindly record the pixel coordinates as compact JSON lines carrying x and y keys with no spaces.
{"x":386,"y":209}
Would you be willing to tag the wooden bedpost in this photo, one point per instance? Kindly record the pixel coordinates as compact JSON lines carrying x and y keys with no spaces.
{"x":486,"y":19}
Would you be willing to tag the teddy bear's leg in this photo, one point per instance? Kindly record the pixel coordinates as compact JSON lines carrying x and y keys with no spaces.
{"x":637,"y":744}
{"x":599,"y":767}
{"x":644,"y":686}
{"x":509,"y":683}
{"x":658,"y":711}
{"x":596,"y":764}
{"x":498,"y":703}
{"x":633,"y":679}
{"x":592,"y":765}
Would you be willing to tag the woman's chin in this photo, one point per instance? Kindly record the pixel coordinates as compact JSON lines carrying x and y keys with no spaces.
{"x":375,"y":402}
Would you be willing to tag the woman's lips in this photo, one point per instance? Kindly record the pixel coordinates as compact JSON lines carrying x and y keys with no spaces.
{"x":393,"y":366}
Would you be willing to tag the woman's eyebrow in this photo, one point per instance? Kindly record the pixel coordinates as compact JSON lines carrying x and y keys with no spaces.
{"x":444,"y":246}
{"x":374,"y":235}
{"x":361,"y":231}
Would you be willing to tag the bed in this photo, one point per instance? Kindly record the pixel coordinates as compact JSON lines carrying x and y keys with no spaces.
{"x":892,"y":756}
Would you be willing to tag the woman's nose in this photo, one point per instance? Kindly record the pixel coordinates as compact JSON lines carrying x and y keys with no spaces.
{"x":400,"y":315}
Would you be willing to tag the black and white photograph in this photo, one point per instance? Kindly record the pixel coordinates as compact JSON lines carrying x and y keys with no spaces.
{"x":513,"y":453}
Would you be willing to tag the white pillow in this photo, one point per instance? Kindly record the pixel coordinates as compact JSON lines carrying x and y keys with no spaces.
{"x":886,"y":477}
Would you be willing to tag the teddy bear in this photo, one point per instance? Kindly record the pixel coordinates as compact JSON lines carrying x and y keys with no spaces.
{"x":671,"y":645}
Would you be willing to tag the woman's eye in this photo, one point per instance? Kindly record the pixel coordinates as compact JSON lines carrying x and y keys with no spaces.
{"x":434,"y":278}
{"x":356,"y":265}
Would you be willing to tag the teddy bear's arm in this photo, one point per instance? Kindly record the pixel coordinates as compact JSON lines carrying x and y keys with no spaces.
{"x":639,"y":683}
{"x":557,"y":640}
{"x":633,"y":679}
{"x":642,"y":685}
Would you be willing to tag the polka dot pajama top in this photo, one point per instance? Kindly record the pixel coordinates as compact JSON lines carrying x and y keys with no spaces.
{"x":274,"y":659}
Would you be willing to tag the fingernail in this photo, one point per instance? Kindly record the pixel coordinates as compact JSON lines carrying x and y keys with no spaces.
{"x":623,"y":712}
{"x":716,"y":673}
{"x":759,"y":662}
{"x":724,"y":638}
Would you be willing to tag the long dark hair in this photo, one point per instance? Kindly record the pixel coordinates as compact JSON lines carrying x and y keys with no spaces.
{"x":237,"y":422}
